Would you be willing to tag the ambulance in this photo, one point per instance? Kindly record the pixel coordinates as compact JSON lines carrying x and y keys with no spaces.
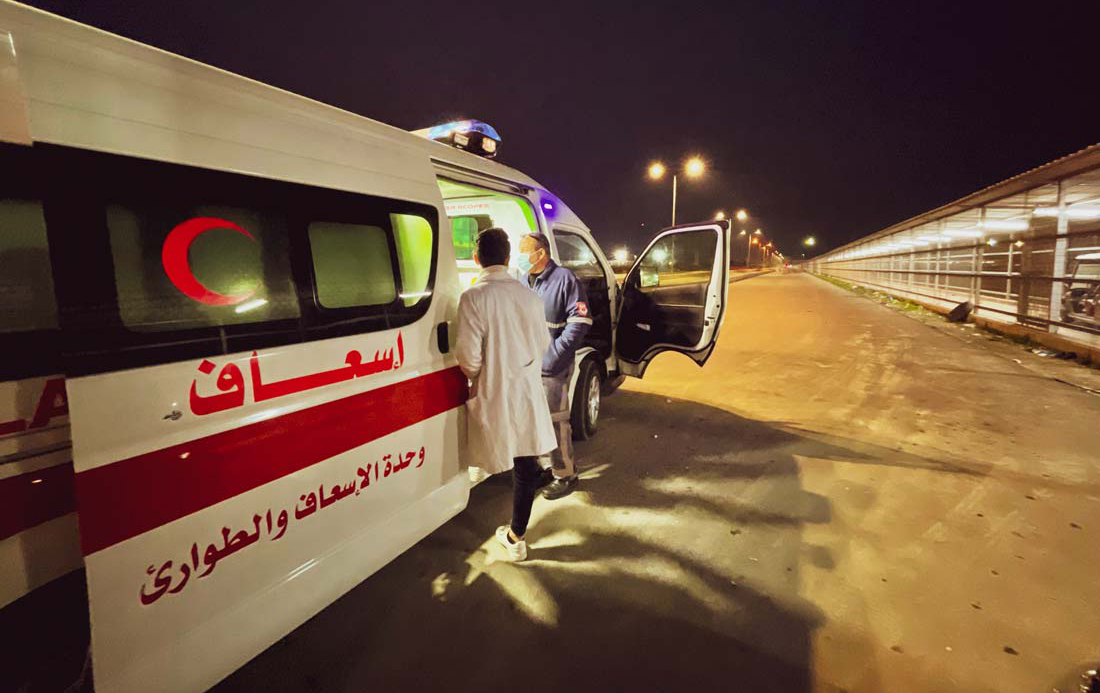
{"x":229,"y":391}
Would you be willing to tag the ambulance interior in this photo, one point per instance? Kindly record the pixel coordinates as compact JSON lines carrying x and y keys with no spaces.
{"x":472,"y":209}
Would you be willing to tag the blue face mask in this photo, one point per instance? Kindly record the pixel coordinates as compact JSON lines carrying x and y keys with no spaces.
{"x":524,"y":263}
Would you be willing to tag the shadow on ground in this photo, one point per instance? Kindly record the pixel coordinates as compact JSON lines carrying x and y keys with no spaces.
{"x":676,"y":565}
{"x":45,"y":637}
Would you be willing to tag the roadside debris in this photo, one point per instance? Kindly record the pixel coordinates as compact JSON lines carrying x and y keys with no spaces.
{"x":1055,"y":354}
{"x":960,"y":312}
{"x":1010,"y":650}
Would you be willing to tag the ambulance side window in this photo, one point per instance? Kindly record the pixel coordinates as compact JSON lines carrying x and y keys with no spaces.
{"x":352,"y":265}
{"x":29,"y":335}
{"x":164,"y":262}
{"x":26,"y":279}
{"x":182,"y":265}
{"x":415,"y":249}
{"x":575,"y":254}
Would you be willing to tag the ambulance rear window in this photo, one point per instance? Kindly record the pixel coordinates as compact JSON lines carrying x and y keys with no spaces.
{"x":26,"y":280}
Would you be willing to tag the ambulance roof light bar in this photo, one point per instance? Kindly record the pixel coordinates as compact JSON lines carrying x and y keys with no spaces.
{"x":474,"y":136}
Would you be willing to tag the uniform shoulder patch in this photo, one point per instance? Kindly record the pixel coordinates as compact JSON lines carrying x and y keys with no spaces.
{"x":582,"y":308}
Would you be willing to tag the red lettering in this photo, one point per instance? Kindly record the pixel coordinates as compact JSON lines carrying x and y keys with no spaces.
{"x":53,"y":403}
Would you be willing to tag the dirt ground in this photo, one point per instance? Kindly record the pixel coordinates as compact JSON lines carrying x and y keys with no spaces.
{"x":844,"y":499}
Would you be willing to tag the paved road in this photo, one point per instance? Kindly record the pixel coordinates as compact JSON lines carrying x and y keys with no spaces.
{"x":843,"y":499}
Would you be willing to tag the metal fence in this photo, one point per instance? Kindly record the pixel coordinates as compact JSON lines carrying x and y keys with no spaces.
{"x":1025,"y":251}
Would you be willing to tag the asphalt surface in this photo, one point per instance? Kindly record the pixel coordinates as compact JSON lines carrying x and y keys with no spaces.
{"x":844,"y":499}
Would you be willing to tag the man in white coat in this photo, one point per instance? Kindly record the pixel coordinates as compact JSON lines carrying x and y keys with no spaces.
{"x":501,"y":339}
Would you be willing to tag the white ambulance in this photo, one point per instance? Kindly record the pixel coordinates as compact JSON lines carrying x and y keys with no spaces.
{"x":229,"y":392}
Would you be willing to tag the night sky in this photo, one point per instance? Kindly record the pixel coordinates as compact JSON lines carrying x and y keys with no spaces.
{"x":827,"y":118}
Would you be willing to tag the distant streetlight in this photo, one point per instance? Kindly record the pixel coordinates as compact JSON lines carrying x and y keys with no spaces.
{"x":621,"y":255}
{"x":694,"y":167}
{"x":809,"y":241}
{"x":739,"y":215}
{"x":753,"y":240}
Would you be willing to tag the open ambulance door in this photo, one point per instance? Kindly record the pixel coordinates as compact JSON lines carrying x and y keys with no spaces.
{"x":674,"y":297}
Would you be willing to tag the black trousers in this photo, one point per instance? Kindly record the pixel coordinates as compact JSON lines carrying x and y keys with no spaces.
{"x":526,"y":473}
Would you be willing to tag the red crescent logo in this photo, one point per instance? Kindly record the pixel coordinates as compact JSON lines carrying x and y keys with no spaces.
{"x":174,"y":258}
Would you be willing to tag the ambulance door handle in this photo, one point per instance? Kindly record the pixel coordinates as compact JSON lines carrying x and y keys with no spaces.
{"x":174,"y":416}
{"x":443,"y":337}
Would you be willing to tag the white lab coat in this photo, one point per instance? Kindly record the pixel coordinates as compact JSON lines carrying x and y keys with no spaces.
{"x":502,"y":336}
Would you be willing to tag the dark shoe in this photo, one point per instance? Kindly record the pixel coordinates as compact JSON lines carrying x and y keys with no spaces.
{"x":559,"y":488}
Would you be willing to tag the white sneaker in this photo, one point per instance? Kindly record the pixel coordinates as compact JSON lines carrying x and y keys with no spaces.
{"x":517,"y":550}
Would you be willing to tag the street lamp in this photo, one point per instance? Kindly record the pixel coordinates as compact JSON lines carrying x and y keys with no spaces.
{"x":809,"y":241}
{"x":753,"y":240}
{"x":694,"y":167}
{"x":740,"y":215}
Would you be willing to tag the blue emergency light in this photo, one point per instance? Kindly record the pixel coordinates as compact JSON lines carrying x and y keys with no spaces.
{"x":474,"y":136}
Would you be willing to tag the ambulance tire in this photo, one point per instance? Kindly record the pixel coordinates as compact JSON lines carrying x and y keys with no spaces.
{"x":586,"y":400}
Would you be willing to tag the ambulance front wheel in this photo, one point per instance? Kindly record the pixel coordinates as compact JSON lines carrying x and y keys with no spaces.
{"x":586,"y":400}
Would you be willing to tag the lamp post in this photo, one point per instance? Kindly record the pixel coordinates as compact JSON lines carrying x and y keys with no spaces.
{"x":752,"y":241}
{"x":740,"y":215}
{"x":693,"y":168}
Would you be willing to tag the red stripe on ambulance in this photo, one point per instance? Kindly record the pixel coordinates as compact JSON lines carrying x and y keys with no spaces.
{"x":123,"y":499}
{"x":30,"y":499}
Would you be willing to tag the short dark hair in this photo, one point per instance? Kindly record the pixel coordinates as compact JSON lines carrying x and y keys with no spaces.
{"x":541,"y":239}
{"x":493,"y":247}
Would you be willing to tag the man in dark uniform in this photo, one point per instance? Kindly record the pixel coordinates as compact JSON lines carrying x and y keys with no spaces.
{"x":567,"y":318}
